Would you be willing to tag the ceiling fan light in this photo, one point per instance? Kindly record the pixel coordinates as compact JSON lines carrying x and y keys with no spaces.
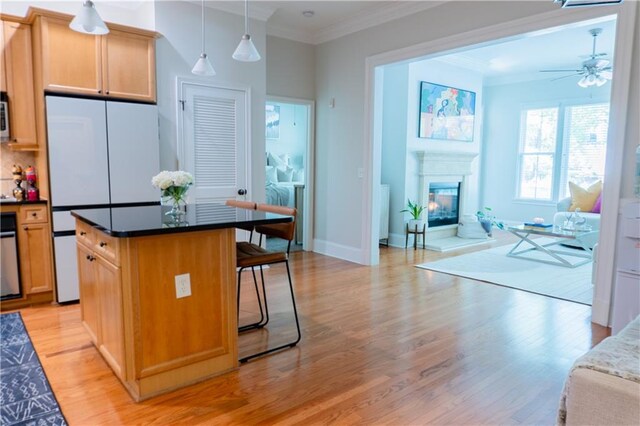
{"x":246,"y":51}
{"x":600,"y":81}
{"x":583,"y":82}
{"x":88,"y":21}
{"x":203,"y":66}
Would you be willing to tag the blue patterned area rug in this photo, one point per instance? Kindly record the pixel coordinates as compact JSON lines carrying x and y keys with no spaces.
{"x":25,"y":395}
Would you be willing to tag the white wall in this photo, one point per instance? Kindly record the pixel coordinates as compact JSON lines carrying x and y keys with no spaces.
{"x":502,"y":138}
{"x":177,"y":51}
{"x":394,"y":142}
{"x":293,"y":134}
{"x":433,"y":71}
{"x":134,"y":14}
{"x":291,"y":68}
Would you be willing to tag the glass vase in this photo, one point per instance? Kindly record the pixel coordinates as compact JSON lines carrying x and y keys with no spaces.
{"x":175,"y":197}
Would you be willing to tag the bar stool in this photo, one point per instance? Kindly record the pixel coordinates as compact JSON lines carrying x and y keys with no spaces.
{"x":251,"y":255}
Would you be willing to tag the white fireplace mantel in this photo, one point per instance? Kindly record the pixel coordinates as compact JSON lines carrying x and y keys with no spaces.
{"x":445,"y":166}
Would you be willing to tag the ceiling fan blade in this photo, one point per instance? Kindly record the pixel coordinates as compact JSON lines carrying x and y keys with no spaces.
{"x":565,"y":76}
{"x":607,"y":74}
{"x":561,"y":70}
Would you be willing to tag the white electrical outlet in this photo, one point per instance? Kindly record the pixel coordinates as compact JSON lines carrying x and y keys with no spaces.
{"x":360,"y":172}
{"x":183,"y":285}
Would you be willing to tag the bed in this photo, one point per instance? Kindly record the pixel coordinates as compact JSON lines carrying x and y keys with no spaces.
{"x":282,"y":177}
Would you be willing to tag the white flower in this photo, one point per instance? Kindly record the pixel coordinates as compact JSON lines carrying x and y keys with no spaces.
{"x":166,"y":179}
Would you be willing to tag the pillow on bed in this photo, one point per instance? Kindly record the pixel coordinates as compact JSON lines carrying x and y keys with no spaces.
{"x":285,"y":175}
{"x":274,"y":160}
{"x":271,"y":174}
{"x":298,"y":175}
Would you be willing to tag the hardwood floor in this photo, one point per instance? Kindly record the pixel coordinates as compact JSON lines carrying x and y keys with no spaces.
{"x":390,"y":344}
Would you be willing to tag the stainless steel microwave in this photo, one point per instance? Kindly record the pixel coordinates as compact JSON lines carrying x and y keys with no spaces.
{"x":4,"y":117}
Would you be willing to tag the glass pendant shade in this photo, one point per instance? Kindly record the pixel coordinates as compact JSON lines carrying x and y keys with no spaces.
{"x":600,"y":81}
{"x":88,"y":21}
{"x":203,"y":66}
{"x":246,"y":51}
{"x":583,"y":82}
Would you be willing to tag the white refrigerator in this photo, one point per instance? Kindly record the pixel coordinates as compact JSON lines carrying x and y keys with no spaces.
{"x":101,"y":153}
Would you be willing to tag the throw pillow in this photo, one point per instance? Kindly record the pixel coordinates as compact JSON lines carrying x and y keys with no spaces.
{"x":271,"y":174}
{"x":274,"y":160}
{"x":598,"y":205}
{"x":298,"y":175}
{"x":285,"y":175}
{"x":584,"y":199}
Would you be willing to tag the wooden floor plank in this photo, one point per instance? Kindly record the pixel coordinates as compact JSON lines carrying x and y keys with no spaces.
{"x":390,"y":344}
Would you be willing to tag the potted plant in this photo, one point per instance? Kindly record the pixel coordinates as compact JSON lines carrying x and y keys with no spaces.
{"x":415,"y":210}
{"x":487,"y":220}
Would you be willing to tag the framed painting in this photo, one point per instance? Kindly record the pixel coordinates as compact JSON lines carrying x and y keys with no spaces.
{"x":272,"y":114}
{"x":446,"y":113}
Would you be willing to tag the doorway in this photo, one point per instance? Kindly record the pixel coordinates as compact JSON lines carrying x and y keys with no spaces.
{"x":289,"y":130}
{"x":625,"y":16}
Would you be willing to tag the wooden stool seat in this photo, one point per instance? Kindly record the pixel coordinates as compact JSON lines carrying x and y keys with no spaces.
{"x":249,"y":254}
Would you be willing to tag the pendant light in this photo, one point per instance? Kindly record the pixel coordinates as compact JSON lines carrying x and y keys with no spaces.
{"x":88,"y":21}
{"x":203,"y":66}
{"x":246,"y":51}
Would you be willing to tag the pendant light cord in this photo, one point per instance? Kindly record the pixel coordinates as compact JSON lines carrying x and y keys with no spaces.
{"x":246,"y":16}
{"x":203,"y":49}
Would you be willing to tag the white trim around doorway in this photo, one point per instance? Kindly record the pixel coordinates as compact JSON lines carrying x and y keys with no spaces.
{"x":626,"y":15}
{"x":309,"y":173}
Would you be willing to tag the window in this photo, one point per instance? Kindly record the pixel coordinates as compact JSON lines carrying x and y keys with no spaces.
{"x":558,"y":145}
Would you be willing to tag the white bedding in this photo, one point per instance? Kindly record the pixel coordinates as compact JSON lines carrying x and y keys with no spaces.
{"x":280,"y":194}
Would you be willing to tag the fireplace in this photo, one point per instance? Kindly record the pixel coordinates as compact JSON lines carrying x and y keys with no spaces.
{"x":443,"y":204}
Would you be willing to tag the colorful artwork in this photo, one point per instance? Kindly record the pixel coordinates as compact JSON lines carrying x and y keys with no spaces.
{"x":446,"y":113}
{"x":272,"y":114}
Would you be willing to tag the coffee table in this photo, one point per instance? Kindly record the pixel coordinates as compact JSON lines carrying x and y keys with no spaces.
{"x":554,"y":256}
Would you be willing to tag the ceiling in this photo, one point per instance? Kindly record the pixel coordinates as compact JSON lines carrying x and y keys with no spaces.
{"x":331,"y":19}
{"x":522,"y":57}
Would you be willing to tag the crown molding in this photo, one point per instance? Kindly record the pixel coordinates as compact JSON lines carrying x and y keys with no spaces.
{"x":257,"y":11}
{"x":372,"y":18}
{"x":290,"y":34}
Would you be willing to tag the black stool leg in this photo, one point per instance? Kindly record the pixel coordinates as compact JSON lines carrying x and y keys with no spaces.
{"x":295,"y":313}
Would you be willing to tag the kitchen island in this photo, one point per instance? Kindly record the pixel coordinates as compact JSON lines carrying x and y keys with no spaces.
{"x":158,"y":298}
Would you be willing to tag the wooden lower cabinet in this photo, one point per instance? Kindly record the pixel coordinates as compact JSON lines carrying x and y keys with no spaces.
{"x":154,"y":341}
{"x":109,"y":291}
{"x":101,"y":305}
{"x":35,"y":257}
{"x":89,"y":293}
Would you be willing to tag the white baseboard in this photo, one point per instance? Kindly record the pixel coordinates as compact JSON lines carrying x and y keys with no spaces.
{"x":351,"y":254}
{"x":396,"y":240}
{"x":598,"y":309}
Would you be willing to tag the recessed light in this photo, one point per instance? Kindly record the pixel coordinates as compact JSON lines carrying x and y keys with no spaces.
{"x":308,"y":13}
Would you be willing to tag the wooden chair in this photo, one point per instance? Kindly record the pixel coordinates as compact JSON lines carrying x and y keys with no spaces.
{"x":251,"y":255}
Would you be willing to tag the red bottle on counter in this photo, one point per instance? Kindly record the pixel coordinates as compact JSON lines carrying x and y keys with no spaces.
{"x":33,"y":193}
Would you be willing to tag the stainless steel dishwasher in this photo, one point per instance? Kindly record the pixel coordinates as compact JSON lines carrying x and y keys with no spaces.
{"x":10,"y":287}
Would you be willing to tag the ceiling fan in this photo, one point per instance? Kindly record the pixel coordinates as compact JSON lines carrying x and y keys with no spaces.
{"x":595,"y":70}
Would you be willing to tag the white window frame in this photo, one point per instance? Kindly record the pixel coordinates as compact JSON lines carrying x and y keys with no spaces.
{"x":560,"y":156}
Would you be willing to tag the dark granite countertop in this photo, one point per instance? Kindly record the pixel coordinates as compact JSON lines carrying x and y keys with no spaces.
{"x":20,"y":203}
{"x":125,"y":222}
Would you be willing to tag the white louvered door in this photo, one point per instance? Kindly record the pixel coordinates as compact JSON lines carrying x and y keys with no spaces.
{"x":214,"y":146}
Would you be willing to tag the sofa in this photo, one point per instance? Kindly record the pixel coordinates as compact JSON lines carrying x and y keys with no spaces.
{"x":603,"y":387}
{"x":593,"y":220}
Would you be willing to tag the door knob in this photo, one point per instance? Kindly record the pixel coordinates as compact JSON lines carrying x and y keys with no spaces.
{"x":242,"y":191}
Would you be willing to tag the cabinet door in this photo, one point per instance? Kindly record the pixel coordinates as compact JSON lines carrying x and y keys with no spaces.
{"x":111,"y":316}
{"x":19,"y":82}
{"x":34,"y":242}
{"x":71,"y":61}
{"x":89,"y":302}
{"x":129,"y":66}
{"x":3,"y":68}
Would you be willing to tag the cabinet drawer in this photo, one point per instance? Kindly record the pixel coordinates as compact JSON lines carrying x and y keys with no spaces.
{"x":107,"y":247}
{"x":33,"y":214}
{"x":85,"y":234}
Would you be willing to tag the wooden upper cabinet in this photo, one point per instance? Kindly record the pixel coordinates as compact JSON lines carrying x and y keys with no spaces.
{"x":71,"y":61}
{"x":120,"y":64}
{"x":17,"y":79}
{"x":129,"y":66}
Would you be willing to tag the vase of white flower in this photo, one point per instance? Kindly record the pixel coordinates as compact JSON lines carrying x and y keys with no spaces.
{"x":173,"y":188}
